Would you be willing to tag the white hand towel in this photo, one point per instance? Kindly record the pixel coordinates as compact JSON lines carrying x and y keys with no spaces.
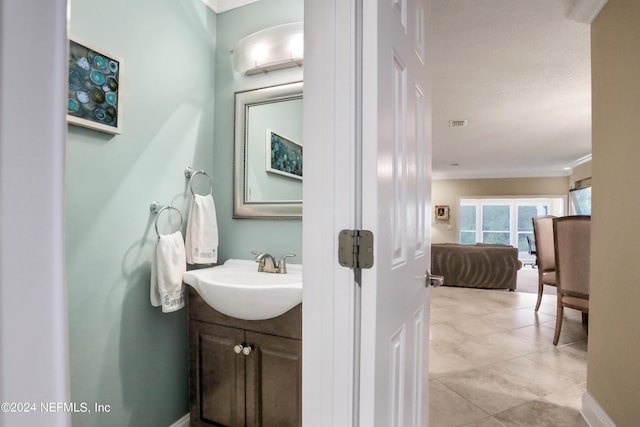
{"x":167,"y":267}
{"x":202,"y":231}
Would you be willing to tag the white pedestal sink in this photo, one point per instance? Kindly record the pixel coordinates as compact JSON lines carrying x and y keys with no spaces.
{"x":236,"y":289}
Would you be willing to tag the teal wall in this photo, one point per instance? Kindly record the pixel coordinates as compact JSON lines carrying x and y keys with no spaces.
{"x":123,"y":352}
{"x":238,"y":237}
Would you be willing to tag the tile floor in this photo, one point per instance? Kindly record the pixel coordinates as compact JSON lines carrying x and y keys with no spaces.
{"x":492,"y":362}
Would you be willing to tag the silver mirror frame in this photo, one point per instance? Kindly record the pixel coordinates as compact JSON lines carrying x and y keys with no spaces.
{"x":244,"y":100}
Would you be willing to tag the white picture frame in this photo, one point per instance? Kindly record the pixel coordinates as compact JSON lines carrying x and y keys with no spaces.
{"x":442,"y":211}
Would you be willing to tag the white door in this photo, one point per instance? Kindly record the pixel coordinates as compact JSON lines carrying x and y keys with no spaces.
{"x":396,"y":207}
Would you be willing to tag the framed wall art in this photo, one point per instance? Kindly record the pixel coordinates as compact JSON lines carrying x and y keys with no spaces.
{"x":284,"y":156}
{"x":442,"y":211}
{"x":95,"y":88}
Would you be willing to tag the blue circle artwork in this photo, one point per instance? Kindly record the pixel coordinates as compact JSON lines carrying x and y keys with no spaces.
{"x":286,"y":156}
{"x":93,"y":86}
{"x":111,"y":98}
{"x":100,"y":62}
{"x":72,"y":104}
{"x":97,"y":77}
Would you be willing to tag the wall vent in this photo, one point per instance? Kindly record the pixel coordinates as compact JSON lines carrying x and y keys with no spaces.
{"x":458,"y":123}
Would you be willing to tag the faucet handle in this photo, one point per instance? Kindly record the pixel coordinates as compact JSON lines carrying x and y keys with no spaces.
{"x":259,"y":259}
{"x":282,"y":263}
{"x":257,"y":254}
{"x":260,"y":256}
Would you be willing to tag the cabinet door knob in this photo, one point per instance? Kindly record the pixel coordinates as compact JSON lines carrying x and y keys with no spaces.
{"x":238,"y":348}
{"x":247,"y":350}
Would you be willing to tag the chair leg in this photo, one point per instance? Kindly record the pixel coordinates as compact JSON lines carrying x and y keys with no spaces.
{"x":540,"y":289}
{"x":559,"y":316}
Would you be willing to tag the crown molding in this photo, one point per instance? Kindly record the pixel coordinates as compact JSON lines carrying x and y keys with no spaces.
{"x":580,"y":161}
{"x":475,"y":174}
{"x":219,"y":6}
{"x":585,"y":11}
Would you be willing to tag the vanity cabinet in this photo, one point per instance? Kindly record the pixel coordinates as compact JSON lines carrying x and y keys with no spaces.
{"x":244,"y":373}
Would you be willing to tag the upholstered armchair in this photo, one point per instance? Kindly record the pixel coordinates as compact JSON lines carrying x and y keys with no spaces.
{"x":545,"y":253}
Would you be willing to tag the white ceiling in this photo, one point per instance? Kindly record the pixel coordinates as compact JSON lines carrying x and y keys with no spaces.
{"x":519,"y":72}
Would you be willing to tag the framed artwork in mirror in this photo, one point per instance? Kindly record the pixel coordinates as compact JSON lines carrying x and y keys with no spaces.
{"x":95,"y":86}
{"x":284,"y":156}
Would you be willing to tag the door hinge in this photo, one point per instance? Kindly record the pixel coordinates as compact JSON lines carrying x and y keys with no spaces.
{"x":356,"y":249}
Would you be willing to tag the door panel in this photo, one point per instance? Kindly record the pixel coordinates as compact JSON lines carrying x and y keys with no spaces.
{"x":420,"y":375}
{"x":396,"y":205}
{"x":399,"y":152}
{"x":422,"y":174}
{"x":220,"y":378}
{"x":274,"y":386}
{"x":397,"y":398}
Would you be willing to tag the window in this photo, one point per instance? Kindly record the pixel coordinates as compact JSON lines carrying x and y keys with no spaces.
{"x":581,"y":200}
{"x":467,"y":224}
{"x":504,"y":221}
{"x":525,"y":225}
{"x":496,"y":220}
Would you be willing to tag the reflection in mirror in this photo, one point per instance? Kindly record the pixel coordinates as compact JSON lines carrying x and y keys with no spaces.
{"x":274,"y":151}
{"x":268,"y":152}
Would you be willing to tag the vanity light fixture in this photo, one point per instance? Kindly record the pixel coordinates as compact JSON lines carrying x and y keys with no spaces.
{"x":270,"y":49}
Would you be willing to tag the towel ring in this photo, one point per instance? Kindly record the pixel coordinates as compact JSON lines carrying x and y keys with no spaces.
{"x":190,"y":173}
{"x":156,"y":208}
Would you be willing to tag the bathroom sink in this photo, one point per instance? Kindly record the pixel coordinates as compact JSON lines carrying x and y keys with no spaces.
{"x":237,"y":289}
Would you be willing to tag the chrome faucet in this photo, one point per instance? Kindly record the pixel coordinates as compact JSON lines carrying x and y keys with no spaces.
{"x":267,"y":264}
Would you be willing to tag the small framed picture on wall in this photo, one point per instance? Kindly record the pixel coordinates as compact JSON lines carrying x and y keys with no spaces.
{"x":442,"y":211}
{"x":95,"y":80}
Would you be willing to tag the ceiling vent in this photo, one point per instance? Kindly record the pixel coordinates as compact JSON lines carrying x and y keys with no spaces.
{"x":458,"y":123}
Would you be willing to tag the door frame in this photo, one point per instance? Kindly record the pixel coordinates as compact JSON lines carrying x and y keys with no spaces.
{"x":330,"y":193}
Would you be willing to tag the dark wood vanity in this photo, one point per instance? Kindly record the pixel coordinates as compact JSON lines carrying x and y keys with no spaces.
{"x":244,"y":372}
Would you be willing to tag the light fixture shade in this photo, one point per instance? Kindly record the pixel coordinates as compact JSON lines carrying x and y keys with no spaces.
{"x":270,"y":49}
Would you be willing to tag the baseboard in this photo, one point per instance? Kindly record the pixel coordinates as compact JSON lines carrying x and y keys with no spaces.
{"x":593,"y":413}
{"x":182,"y":422}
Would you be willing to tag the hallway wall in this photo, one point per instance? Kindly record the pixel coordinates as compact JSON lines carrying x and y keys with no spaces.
{"x":613,"y":378}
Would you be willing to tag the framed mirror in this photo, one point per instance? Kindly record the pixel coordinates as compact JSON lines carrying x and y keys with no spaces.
{"x":268,"y":155}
